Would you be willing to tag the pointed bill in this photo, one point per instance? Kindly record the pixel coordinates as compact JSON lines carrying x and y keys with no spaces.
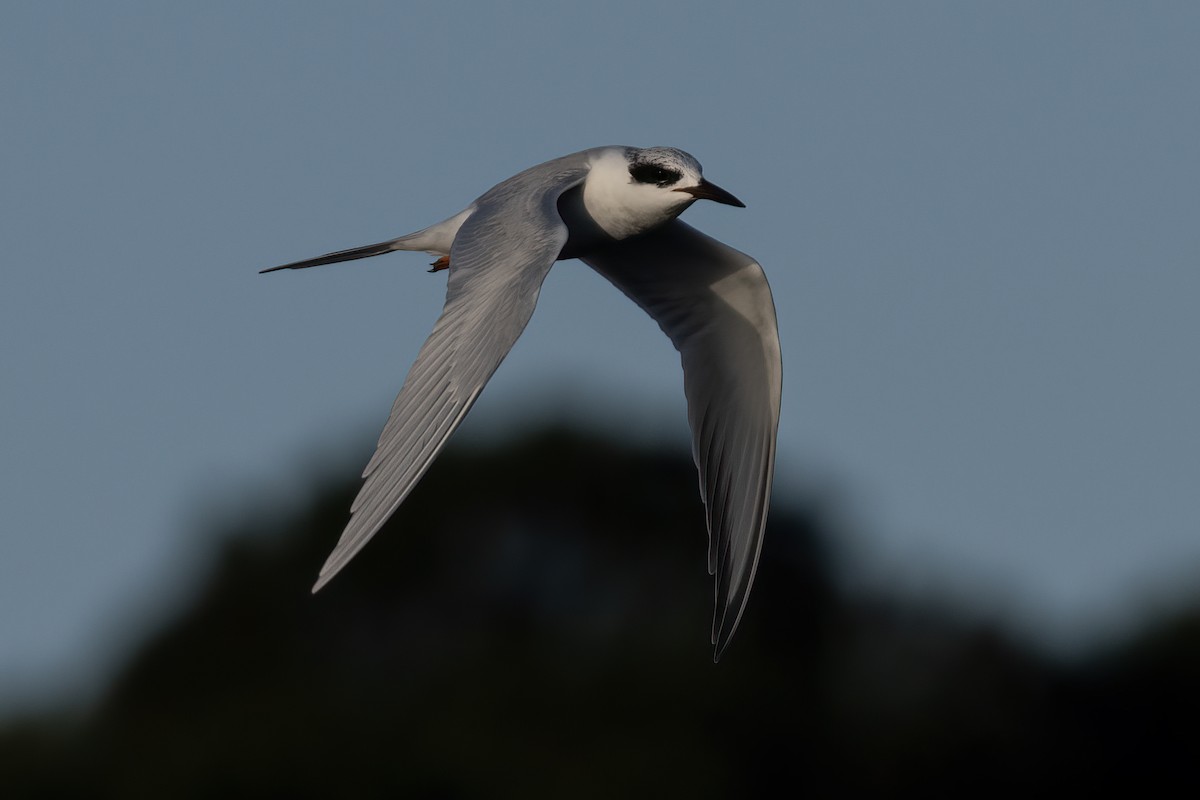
{"x":710,"y":191}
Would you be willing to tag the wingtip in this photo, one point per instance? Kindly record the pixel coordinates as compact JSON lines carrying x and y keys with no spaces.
{"x":725,"y":624}
{"x":332,"y":566}
{"x":721,"y":645}
{"x":322,"y":579}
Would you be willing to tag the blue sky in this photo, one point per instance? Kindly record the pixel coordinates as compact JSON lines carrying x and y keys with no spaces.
{"x":979,"y":220}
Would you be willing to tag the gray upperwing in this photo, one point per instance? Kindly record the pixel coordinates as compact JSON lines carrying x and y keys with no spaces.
{"x":715,"y":305}
{"x":498,"y":261}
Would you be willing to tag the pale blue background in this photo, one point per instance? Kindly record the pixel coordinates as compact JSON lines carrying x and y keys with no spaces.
{"x":979,"y":219}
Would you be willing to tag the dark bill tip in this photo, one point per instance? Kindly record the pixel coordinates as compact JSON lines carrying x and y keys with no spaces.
{"x":710,"y":191}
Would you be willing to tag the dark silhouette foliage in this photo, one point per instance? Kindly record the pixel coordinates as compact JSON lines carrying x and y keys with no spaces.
{"x":534,"y":622}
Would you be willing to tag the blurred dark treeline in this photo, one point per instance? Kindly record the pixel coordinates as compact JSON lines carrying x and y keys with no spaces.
{"x":534,"y":623}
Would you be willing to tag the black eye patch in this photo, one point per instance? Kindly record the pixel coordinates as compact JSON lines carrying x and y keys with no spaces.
{"x":652,"y":173}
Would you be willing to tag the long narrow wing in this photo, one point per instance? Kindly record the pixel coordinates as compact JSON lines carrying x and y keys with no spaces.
{"x":714,"y":304}
{"x":498,"y":261}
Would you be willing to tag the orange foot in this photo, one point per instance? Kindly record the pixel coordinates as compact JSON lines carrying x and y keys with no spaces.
{"x":440,"y":264}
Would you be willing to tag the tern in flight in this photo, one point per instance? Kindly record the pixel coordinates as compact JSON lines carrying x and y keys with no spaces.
{"x":616,"y":209}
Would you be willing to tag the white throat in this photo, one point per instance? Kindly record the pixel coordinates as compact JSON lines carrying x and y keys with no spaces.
{"x":621,"y":207}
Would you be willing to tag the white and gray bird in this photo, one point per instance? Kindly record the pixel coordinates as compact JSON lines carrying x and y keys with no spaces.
{"x":616,"y":209}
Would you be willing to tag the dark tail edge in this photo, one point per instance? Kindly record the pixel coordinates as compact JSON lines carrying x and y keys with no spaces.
{"x":365,"y":251}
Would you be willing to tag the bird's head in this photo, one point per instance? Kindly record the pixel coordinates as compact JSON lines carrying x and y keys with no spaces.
{"x":630,"y":190}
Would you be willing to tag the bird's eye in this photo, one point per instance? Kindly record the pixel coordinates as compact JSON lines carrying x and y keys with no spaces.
{"x":652,"y":173}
